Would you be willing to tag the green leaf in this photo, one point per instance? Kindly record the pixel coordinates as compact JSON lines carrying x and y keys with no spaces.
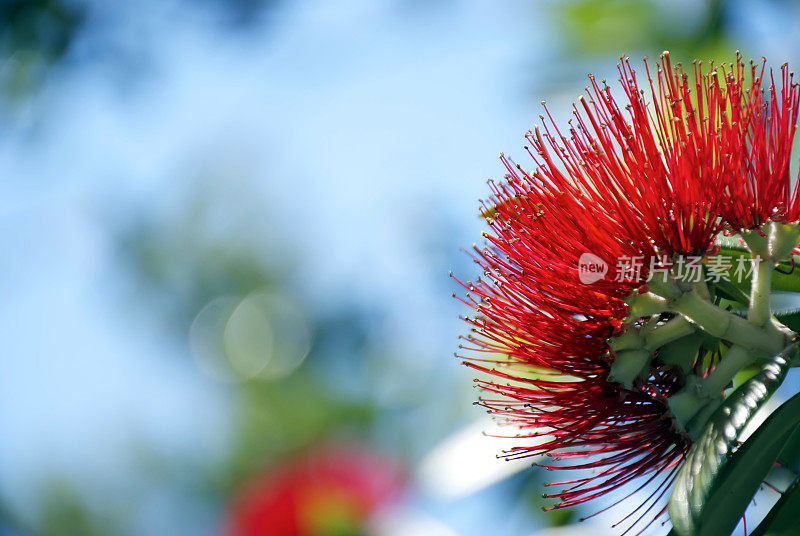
{"x":787,"y":282}
{"x":790,"y":455}
{"x":751,"y":463}
{"x":730,"y":275}
{"x":713,"y":486}
{"x":744,"y":375}
{"x":727,"y":290}
{"x":782,"y":520}
{"x":786,"y":308}
{"x":790,"y":319}
{"x":787,"y":279}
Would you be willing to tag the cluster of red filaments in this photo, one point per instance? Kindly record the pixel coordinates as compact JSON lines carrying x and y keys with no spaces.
{"x":683,"y":159}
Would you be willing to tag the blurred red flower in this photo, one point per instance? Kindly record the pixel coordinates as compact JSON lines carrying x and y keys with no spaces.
{"x":328,"y":491}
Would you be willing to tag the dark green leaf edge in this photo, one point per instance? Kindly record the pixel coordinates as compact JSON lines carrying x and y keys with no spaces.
{"x":790,"y":455}
{"x":783,"y":518}
{"x":749,"y":466}
{"x":704,"y":466}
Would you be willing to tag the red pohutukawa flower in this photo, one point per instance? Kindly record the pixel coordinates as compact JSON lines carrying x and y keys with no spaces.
{"x":762,"y":189}
{"x":662,"y":174}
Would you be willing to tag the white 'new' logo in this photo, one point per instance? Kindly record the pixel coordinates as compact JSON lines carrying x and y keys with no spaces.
{"x":591,"y":268}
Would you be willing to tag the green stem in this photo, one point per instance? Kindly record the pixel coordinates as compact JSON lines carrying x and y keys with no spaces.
{"x":698,"y":423}
{"x":664,"y":285}
{"x":687,"y":402}
{"x":633,"y":350}
{"x":629,"y":365}
{"x":759,"y":312}
{"x":694,"y":404}
{"x":726,"y":325}
{"x":750,"y":338}
{"x":734,"y":361}
{"x":701,"y":287}
{"x":647,"y":304}
{"x":672,"y":330}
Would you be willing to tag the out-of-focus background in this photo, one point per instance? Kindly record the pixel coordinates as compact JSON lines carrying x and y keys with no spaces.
{"x":226,"y":231}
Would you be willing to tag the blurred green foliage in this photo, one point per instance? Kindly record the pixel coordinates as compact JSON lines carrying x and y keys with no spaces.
{"x":206,"y":248}
{"x":597,"y":28}
{"x":37,"y":35}
{"x":188,"y":258}
{"x":64,"y":513}
{"x":277,"y":419}
{"x":34,"y":36}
